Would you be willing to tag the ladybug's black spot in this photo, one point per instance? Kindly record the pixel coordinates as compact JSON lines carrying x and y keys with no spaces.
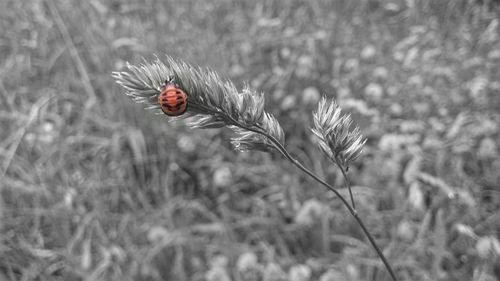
{"x":167,"y":106}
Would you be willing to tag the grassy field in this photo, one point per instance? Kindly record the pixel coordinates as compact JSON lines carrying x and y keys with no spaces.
{"x":92,"y":187}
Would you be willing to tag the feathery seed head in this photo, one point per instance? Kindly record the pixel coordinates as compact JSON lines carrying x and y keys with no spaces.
{"x":336,"y":138}
{"x":212,"y":101}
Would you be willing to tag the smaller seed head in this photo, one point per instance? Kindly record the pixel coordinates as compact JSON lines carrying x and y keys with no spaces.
{"x":338,"y":140}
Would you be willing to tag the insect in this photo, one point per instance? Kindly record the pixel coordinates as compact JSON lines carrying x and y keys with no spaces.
{"x":172,"y":99}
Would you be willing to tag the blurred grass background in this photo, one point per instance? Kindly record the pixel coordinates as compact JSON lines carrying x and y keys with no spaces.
{"x":94,"y":188}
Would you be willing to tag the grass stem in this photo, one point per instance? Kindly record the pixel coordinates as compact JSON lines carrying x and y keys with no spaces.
{"x":350,"y":208}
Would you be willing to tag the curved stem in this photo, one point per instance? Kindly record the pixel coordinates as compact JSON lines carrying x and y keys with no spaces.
{"x":351,"y":210}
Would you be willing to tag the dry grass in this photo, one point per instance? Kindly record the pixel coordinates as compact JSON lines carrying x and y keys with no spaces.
{"x":93,"y":188}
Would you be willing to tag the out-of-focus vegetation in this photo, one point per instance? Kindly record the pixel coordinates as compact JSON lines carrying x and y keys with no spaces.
{"x":94,"y":188}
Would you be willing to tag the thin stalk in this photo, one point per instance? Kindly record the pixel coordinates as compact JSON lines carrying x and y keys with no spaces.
{"x":351,"y":210}
{"x":348,"y":184}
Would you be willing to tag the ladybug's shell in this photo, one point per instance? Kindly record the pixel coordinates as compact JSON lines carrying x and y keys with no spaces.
{"x":172,"y":100}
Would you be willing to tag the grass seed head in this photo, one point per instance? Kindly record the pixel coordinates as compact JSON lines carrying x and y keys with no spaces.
{"x":213,"y":101}
{"x":341,"y":143}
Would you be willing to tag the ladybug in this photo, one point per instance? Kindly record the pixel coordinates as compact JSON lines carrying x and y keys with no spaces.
{"x":172,"y":99}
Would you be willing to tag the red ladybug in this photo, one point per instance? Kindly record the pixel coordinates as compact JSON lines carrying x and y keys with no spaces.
{"x":172,"y":99}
